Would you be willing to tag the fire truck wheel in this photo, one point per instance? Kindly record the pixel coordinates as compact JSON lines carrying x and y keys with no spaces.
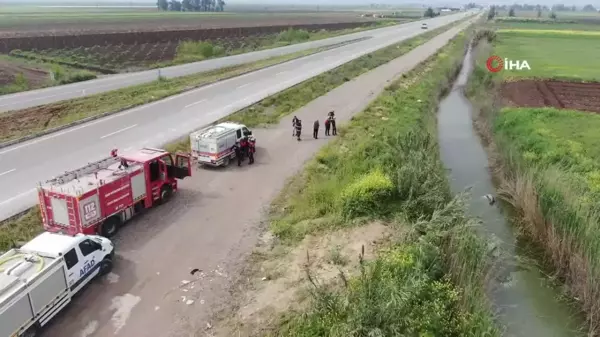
{"x":106,"y":266}
{"x":165,"y":194}
{"x":109,"y":227}
{"x":226,"y":161}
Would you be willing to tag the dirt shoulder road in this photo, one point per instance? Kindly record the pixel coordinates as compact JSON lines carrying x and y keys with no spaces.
{"x":211,"y":225}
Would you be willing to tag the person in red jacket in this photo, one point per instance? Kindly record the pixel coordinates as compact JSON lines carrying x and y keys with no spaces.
{"x":327,"y":127}
{"x":251,"y":150}
{"x":244,"y":147}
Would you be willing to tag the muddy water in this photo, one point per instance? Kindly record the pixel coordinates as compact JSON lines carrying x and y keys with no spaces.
{"x":526,"y":305}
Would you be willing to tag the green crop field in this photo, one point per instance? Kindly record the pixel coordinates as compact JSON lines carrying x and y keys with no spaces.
{"x":546,"y":137}
{"x":551,"y":53}
{"x":545,"y":25}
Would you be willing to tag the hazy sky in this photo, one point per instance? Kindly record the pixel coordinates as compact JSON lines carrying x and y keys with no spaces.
{"x":579,"y":3}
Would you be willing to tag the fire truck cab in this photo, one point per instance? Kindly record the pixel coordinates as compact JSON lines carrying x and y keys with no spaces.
{"x":101,"y":196}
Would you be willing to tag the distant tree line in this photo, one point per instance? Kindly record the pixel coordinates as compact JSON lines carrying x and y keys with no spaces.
{"x":538,"y":8}
{"x":554,"y":8}
{"x":430,"y":13}
{"x":191,"y":5}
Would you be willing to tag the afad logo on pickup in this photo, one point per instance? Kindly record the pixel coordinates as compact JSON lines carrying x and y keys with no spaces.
{"x":495,"y":63}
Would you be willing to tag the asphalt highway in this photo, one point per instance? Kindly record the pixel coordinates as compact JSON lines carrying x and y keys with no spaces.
{"x":23,"y":165}
{"x":112,"y":82}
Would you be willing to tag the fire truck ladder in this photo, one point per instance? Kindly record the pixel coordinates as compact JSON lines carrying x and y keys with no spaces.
{"x":87,"y":169}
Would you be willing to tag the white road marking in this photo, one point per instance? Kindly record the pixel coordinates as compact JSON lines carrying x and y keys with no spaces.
{"x":39,"y":98}
{"x":118,"y":131}
{"x":17,"y":196}
{"x":65,"y":92}
{"x":191,"y":105}
{"x":280,"y":73}
{"x":244,"y":85}
{"x":7,"y":172}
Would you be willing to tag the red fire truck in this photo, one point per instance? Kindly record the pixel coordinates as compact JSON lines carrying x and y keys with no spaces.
{"x":99,"y":197}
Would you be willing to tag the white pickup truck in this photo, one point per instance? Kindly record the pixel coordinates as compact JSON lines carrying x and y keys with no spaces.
{"x":213,"y":145}
{"x":39,"y":279}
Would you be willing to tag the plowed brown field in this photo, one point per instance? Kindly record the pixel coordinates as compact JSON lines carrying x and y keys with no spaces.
{"x":128,"y":24}
{"x":558,"y":94}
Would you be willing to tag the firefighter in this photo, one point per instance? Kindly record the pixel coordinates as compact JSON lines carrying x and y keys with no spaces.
{"x":298,"y":129}
{"x":327,"y":127}
{"x":244,"y":147}
{"x":333,"y":128}
{"x":238,"y":154}
{"x":294,"y":121}
{"x":251,"y":150}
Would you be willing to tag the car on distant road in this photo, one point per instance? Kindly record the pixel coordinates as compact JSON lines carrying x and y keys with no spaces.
{"x":424,"y":26}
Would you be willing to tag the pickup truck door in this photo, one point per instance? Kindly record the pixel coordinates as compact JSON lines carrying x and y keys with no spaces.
{"x":83,"y":263}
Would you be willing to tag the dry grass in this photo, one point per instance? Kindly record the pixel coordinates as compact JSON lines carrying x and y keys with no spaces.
{"x":280,"y":281}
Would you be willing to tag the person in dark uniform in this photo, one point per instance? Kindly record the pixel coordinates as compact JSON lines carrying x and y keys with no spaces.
{"x":251,"y":150}
{"x":333,"y":128}
{"x":244,"y":147}
{"x":298,"y":129}
{"x":316,"y":129}
{"x":294,"y":121}
{"x":238,"y":154}
{"x":327,"y":127}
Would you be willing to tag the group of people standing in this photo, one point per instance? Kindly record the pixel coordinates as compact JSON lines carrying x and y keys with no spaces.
{"x":245,"y":148}
{"x":329,"y":126}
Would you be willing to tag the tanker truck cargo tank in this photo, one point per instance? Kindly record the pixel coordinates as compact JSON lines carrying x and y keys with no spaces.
{"x":38,"y":280}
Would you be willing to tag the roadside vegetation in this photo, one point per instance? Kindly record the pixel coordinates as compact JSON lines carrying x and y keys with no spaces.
{"x":544,"y":148}
{"x":384,"y":168}
{"x":26,"y":122}
{"x":18,"y":75}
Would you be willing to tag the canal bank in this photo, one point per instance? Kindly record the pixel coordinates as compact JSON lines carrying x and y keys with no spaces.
{"x":526,"y":305}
